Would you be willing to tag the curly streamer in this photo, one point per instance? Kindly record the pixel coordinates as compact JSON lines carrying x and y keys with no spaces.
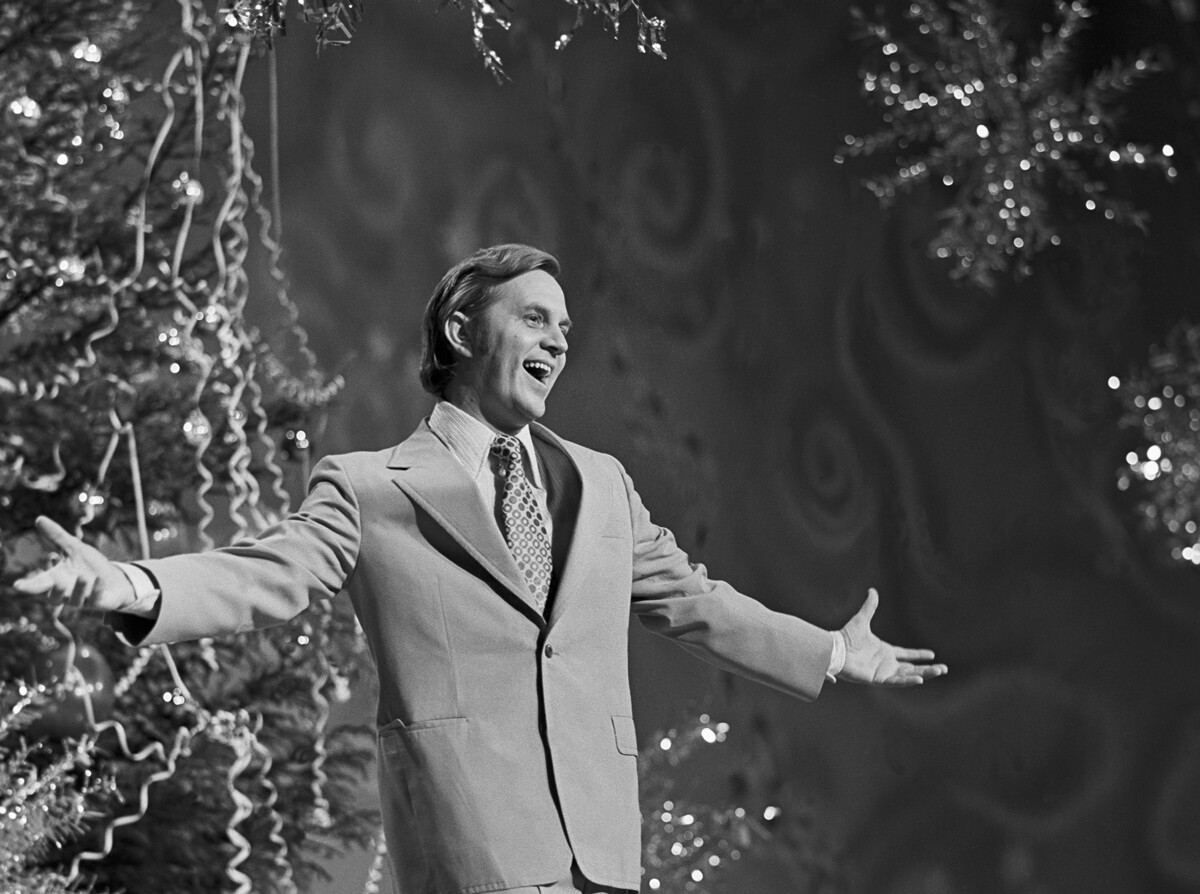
{"x":283,"y":868}
{"x":271,"y":221}
{"x":375,"y":873}
{"x":230,"y":218}
{"x":239,"y":740}
{"x":182,"y":737}
{"x":316,"y":692}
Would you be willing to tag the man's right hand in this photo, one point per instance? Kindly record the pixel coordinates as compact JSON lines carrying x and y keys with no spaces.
{"x":83,"y":577}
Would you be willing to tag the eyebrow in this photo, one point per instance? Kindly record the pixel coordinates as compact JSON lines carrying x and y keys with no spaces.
{"x":545,"y":312}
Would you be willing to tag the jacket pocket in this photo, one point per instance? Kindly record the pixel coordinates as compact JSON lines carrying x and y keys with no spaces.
{"x":626,"y":734}
{"x":391,"y":735}
{"x":401,"y":726}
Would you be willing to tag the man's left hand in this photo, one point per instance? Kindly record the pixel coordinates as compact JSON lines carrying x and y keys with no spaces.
{"x":870,"y":660}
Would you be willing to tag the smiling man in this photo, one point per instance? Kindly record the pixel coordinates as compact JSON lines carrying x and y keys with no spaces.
{"x":494,"y":568}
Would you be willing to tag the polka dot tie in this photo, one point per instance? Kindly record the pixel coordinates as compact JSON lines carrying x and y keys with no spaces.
{"x":524,"y":527}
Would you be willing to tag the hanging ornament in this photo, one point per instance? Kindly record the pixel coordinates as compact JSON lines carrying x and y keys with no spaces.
{"x":196,"y":429}
{"x":73,"y":683}
{"x":1005,"y":127}
{"x":1162,"y":401}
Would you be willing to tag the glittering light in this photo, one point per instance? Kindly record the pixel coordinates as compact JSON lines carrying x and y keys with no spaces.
{"x":86,"y":51}
{"x":70,"y":269}
{"x":189,"y":190}
{"x":196,"y":430}
{"x":25,"y":107}
{"x":687,"y":844}
{"x":1163,"y":401}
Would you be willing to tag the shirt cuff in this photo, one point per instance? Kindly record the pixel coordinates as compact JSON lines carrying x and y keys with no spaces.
{"x":837,"y":658}
{"x":145,"y":591}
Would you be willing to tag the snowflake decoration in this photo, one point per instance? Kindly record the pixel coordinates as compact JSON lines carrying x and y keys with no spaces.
{"x":1000,"y":125}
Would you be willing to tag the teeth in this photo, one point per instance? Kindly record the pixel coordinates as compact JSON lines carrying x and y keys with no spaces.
{"x":539,"y":367}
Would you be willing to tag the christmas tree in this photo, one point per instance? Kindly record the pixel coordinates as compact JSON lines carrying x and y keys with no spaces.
{"x":42,"y":802}
{"x":141,"y":410}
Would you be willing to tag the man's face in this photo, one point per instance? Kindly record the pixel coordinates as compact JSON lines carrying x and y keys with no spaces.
{"x":518,"y":346}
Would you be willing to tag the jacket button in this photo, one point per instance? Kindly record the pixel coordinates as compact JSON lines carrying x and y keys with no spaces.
{"x":549,"y":651}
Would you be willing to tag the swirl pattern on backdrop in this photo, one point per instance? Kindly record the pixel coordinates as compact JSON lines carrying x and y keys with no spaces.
{"x":372,"y":151}
{"x":1021,"y":749}
{"x":931,"y":330}
{"x":827,"y":491}
{"x":655,"y":157}
{"x":505,"y":201}
{"x":1175,"y":815}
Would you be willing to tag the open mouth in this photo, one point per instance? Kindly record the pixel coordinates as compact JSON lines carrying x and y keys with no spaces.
{"x":539,"y":369}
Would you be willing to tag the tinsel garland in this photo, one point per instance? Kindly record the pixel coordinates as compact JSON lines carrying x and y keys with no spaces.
{"x":267,"y":19}
{"x":335,"y":19}
{"x":1008,"y":130}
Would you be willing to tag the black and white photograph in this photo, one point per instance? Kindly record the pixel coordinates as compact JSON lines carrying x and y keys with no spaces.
{"x":599,"y":447}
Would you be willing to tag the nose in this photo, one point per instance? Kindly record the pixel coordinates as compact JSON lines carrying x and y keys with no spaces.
{"x":555,"y":342}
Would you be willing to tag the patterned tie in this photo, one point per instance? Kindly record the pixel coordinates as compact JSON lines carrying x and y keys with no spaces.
{"x":524,"y":527}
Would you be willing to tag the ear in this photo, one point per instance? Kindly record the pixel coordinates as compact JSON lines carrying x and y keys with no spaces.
{"x":457,"y":334}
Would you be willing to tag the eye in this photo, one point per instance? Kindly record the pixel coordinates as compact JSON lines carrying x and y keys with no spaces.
{"x":534,"y":318}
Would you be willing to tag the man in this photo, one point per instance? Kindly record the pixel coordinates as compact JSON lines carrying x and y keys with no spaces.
{"x":493,"y":567}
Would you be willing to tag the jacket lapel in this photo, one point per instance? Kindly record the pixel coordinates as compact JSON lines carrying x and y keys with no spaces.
{"x":577,"y":510}
{"x":429,"y":474}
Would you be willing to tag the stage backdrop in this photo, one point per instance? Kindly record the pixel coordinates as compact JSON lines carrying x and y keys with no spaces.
{"x":808,"y":402}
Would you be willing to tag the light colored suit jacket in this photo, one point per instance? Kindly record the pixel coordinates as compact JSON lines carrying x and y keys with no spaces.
{"x":506,"y":740}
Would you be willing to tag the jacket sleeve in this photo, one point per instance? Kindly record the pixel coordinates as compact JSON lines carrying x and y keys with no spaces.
{"x":259,"y":581}
{"x":675,"y":598}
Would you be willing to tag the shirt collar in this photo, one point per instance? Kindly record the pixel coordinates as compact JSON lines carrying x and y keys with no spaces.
{"x":471,"y":441}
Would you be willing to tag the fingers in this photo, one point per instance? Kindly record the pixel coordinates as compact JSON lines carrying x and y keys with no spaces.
{"x":922,"y":672}
{"x":55,"y":534}
{"x":34,"y":584}
{"x":915,"y":675}
{"x":901,"y":682}
{"x":81,"y":592}
{"x":914,"y":654}
{"x":870,"y":604}
{"x":51,"y":583}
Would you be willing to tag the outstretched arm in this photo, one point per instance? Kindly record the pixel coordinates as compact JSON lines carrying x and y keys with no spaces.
{"x":871,"y":660}
{"x":83,"y":576}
